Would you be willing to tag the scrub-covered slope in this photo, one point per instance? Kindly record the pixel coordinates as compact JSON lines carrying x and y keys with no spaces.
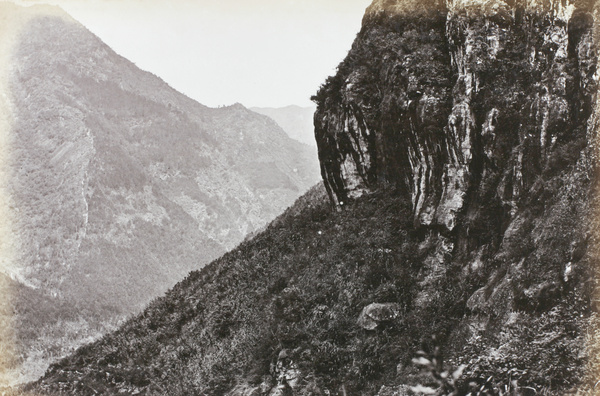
{"x":457,"y":143}
{"x":119,"y":185}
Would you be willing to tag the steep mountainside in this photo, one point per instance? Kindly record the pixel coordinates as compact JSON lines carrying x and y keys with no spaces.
{"x":458,"y":143}
{"x":119,"y":185}
{"x":296,"y":121}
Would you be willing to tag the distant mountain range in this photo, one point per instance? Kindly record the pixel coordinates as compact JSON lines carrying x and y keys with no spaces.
{"x":296,"y":121}
{"x":119,"y":185}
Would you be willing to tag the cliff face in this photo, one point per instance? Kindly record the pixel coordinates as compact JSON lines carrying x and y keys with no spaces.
{"x":483,"y":115}
{"x":454,"y":104}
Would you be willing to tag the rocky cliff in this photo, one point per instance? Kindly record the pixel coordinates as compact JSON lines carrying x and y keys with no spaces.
{"x":458,"y":142}
{"x":483,"y":114}
{"x":116,"y":185}
{"x":453,"y":102}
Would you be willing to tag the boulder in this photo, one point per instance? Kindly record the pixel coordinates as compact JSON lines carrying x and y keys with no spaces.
{"x":376,"y":313}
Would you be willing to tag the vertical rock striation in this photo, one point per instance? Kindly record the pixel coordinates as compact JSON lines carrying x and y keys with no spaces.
{"x":456,"y":99}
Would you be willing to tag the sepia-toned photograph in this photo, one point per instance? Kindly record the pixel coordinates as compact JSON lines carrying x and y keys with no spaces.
{"x":299,"y":197}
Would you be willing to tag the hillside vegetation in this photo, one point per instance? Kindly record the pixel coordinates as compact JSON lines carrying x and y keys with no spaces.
{"x":297,"y":290}
{"x":119,"y":185}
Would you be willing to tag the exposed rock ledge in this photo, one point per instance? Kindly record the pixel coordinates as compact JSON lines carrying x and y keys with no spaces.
{"x":448,"y":101}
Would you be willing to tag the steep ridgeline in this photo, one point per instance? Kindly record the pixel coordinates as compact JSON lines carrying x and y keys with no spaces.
{"x":120,"y":185}
{"x":457,"y":141}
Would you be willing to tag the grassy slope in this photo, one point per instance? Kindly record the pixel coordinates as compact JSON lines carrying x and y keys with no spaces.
{"x":121,"y":185}
{"x":302,"y":283}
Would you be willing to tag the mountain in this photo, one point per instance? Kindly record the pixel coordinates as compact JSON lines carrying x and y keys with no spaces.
{"x":115,"y":185}
{"x":451,"y":249}
{"x":296,"y":121}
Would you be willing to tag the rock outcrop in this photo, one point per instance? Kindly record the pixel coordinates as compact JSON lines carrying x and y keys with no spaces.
{"x":457,"y":102}
{"x":483,"y":114}
{"x":376,"y":314}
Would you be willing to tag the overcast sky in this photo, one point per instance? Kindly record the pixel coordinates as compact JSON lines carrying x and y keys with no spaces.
{"x":269,"y":53}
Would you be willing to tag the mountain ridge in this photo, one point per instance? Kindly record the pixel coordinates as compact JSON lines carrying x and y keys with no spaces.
{"x":119,"y":185}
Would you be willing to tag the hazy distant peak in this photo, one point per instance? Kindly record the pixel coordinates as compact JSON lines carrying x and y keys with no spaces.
{"x":258,"y":109}
{"x":295,"y":120}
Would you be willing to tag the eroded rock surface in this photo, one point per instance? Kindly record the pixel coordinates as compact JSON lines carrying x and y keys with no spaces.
{"x":456,"y":101}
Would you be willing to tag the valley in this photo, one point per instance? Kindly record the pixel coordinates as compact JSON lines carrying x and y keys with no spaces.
{"x":119,"y":185}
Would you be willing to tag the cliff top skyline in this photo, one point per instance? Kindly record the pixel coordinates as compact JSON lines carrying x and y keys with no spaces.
{"x":259,"y":53}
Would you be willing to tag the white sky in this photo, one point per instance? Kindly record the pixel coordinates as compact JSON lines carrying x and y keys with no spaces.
{"x":269,"y":53}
